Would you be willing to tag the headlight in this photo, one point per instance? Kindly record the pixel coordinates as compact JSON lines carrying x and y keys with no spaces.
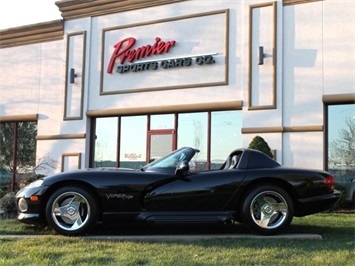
{"x":36,"y":183}
{"x":22,"y":205}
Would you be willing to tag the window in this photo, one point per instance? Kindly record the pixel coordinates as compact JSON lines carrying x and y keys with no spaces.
{"x":225,"y":135}
{"x":341,"y":136}
{"x":26,"y":133}
{"x":161,"y":136}
{"x":162,"y":122}
{"x":341,"y":146}
{"x":129,"y":141}
{"x":133,"y":151}
{"x":106,"y":142}
{"x":192,"y":132}
{"x":19,"y":137}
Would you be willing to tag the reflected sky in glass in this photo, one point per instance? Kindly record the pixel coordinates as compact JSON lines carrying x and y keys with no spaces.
{"x":106,"y":139}
{"x":162,"y":121}
{"x":192,"y":131}
{"x":336,"y":119}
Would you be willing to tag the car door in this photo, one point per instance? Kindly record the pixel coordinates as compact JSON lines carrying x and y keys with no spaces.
{"x":202,"y":191}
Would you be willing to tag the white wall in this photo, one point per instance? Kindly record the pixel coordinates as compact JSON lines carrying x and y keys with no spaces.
{"x":303,"y":65}
{"x":201,"y":39}
{"x":316,"y":57}
{"x":28,"y":72}
{"x":339,"y":46}
{"x":303,"y":149}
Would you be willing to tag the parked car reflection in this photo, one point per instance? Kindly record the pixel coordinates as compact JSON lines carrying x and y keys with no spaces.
{"x":5,"y":177}
{"x":346,"y":178}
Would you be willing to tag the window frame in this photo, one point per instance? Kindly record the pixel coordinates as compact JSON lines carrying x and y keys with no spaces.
{"x":150,"y":132}
{"x":331,"y":100}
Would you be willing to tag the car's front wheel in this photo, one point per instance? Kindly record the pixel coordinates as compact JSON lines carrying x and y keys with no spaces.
{"x":267,"y":210}
{"x":71,"y":211}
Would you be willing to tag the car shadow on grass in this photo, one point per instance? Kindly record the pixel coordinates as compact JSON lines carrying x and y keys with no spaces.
{"x":172,"y":229}
{"x":207,"y":229}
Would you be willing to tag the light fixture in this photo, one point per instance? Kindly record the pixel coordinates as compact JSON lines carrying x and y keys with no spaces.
{"x":72,"y":76}
{"x":261,"y":55}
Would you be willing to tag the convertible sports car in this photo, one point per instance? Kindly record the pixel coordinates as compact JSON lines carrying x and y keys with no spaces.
{"x":250,"y":188}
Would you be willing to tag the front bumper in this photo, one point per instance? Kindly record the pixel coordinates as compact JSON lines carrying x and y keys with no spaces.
{"x":31,"y":214}
{"x":317,"y":204}
{"x":30,"y":218}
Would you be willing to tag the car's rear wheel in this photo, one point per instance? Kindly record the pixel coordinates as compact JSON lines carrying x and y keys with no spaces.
{"x":267,"y":210}
{"x":71,"y":211}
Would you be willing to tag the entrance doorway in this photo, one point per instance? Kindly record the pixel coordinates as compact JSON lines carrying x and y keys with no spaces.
{"x":160,"y":143}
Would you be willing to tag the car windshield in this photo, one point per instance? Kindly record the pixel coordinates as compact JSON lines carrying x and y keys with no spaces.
{"x":173,"y":159}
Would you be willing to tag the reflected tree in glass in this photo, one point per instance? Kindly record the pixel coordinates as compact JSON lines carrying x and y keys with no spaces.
{"x":342,"y":150}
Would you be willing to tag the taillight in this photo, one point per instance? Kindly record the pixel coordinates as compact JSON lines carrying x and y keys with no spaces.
{"x":329,"y":180}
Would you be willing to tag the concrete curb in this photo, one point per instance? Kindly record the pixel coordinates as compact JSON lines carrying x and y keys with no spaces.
{"x":175,"y":237}
{"x":202,"y":237}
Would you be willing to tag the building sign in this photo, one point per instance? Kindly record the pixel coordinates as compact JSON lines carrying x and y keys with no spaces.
{"x":124,"y":52}
{"x":173,"y":53}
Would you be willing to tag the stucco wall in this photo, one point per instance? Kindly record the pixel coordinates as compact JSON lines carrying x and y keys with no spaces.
{"x":315,"y":56}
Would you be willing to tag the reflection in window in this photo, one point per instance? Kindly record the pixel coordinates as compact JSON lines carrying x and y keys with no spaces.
{"x":160,"y":145}
{"x":341,"y":142}
{"x":133,"y":144}
{"x":106,"y":142}
{"x":25,"y":159}
{"x":162,"y":121}
{"x":225,"y":135}
{"x":341,"y":136}
{"x":192,"y":132}
{"x":6,"y":143}
{"x":26,"y":145}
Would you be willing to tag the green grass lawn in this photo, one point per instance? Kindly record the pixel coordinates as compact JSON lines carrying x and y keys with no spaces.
{"x":336,"y":248}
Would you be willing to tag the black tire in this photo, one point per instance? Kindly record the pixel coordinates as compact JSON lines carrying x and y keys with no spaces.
{"x":267,"y":210}
{"x":71,"y":211}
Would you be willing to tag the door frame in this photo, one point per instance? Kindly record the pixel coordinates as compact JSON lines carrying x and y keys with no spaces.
{"x":160,"y":132}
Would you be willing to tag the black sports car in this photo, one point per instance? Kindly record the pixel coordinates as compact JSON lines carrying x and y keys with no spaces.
{"x":250,"y":188}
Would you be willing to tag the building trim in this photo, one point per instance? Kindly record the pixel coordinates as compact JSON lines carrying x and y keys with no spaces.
{"x":339,"y":98}
{"x":260,"y":130}
{"x":217,"y":106}
{"x":296,"y":2}
{"x":315,"y":128}
{"x":32,"y":34}
{"x":61,"y":136}
{"x":68,"y":86}
{"x":257,"y":130}
{"x":74,"y":9}
{"x":250,"y":61}
{"x":19,"y":118}
{"x":171,"y":87}
{"x":64,"y":155}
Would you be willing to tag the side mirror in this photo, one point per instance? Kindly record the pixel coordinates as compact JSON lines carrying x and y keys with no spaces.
{"x":182,"y":168}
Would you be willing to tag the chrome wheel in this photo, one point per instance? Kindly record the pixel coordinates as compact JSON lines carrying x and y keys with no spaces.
{"x":269,"y":209}
{"x":71,"y":211}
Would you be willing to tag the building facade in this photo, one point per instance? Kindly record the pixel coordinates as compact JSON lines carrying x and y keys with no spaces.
{"x":119,"y":83}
